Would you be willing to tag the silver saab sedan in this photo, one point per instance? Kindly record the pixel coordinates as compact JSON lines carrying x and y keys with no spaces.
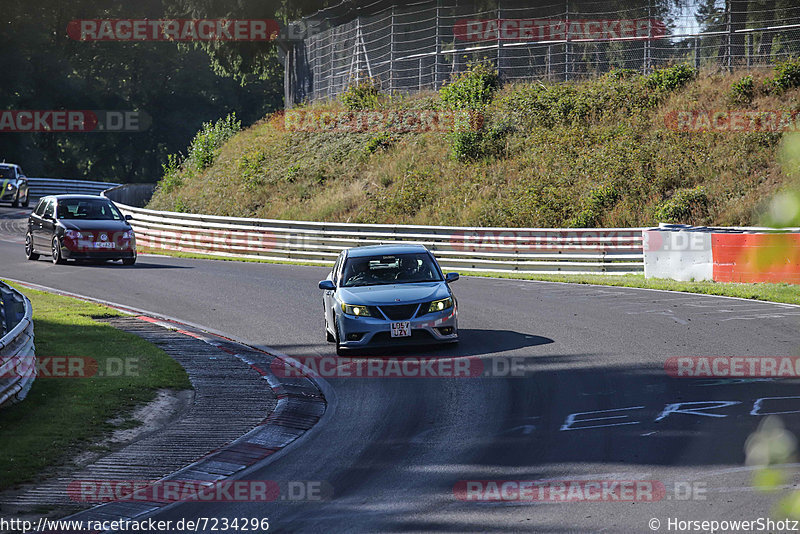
{"x":388,"y":295}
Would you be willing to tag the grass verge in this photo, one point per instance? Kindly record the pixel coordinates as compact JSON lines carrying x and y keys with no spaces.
{"x":62,"y":416}
{"x":782,"y":293}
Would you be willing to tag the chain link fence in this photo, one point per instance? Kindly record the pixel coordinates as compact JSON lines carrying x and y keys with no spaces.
{"x":420,"y":46}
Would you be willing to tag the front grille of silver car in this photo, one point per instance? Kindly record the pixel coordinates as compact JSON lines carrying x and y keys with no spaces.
{"x":401,"y":312}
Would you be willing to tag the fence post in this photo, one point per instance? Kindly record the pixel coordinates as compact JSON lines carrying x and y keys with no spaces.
{"x":437,"y":64}
{"x":567,"y":46}
{"x":499,"y":40}
{"x":729,"y":40}
{"x":648,"y":62}
{"x":392,"y":50}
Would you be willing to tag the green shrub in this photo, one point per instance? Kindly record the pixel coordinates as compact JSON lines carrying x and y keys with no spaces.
{"x":172,"y":174}
{"x":209,"y":140}
{"x":688,"y":205}
{"x":599,"y":200}
{"x":363,"y":94}
{"x":472,"y":145}
{"x":381,"y":141}
{"x":471,"y":90}
{"x":293,"y":172}
{"x":671,"y":78}
{"x":548,"y":105}
{"x":407,"y":194}
{"x":787,"y":74}
{"x":743,"y":91}
{"x":466,"y":145}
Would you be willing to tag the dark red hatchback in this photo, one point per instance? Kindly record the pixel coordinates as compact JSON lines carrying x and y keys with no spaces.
{"x":79,"y":227}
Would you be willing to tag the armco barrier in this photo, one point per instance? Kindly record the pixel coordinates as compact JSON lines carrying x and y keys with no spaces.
{"x":40,"y":187}
{"x":544,"y":251}
{"x":17,"y":351}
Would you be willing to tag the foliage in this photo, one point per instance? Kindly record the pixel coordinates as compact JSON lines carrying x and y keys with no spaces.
{"x":537,"y":104}
{"x":209,"y":140}
{"x":599,"y":200}
{"x":470,"y":145}
{"x":685,"y":206}
{"x":591,"y":153}
{"x":787,"y":74}
{"x":671,"y":78}
{"x":743,"y":90}
{"x":381,"y":141}
{"x":362,"y":94}
{"x":471,"y":90}
{"x":172,"y":178}
{"x":174,"y":85}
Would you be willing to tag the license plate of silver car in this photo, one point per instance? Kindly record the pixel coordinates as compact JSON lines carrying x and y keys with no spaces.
{"x":401,"y":329}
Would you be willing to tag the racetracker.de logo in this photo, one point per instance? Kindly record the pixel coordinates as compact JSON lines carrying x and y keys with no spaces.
{"x":68,"y":367}
{"x":174,"y":30}
{"x":406,"y":367}
{"x":408,"y":121}
{"x":559,"y":491}
{"x":534,"y":240}
{"x":733,"y":121}
{"x":168,"y":491}
{"x":537,"y":30}
{"x":108,"y":121}
{"x":733,"y":367}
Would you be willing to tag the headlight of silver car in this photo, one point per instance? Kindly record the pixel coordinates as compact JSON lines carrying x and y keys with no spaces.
{"x":358,"y":311}
{"x":440,"y":305}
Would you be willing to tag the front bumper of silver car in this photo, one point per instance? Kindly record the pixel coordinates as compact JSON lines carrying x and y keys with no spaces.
{"x":431,"y":328}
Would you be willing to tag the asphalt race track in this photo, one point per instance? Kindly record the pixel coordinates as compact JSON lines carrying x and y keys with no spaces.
{"x":392,"y":449}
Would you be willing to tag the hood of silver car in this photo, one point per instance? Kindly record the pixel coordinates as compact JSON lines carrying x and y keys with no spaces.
{"x":394,"y":294}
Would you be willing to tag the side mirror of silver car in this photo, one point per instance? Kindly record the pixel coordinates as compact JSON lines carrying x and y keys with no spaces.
{"x":327,"y":285}
{"x":451,"y":277}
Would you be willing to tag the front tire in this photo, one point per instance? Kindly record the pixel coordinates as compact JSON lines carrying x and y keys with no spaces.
{"x":15,"y":202}
{"x":29,"y":253}
{"x":27,"y":199}
{"x":58,"y":259}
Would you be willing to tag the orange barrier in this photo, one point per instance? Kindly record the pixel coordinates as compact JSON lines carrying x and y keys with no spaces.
{"x":748,"y":258}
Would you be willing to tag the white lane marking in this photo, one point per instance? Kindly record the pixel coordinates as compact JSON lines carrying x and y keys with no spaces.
{"x":571,"y":418}
{"x":678,"y":407}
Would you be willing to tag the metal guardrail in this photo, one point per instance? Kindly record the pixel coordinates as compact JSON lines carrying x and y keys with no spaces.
{"x":40,"y":187}
{"x":531,"y":250}
{"x":17,"y":350}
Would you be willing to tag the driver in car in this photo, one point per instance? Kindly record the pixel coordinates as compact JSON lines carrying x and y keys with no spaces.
{"x":409,"y":269}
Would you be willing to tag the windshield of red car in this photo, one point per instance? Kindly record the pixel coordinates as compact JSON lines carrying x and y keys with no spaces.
{"x":94,"y":210}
